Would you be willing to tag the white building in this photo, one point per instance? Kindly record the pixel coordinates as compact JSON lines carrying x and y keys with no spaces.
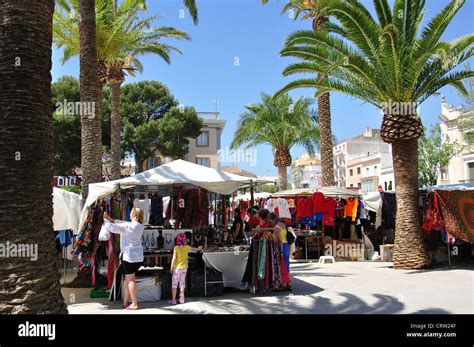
{"x":364,"y":161}
{"x":306,"y":172}
{"x":461,"y":167}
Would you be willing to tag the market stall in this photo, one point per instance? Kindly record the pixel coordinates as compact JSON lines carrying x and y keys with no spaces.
{"x":189,"y":188}
{"x":67,"y":208}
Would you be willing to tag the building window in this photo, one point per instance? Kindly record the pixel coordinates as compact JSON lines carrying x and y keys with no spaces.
{"x":390,"y":186}
{"x":351,"y":173}
{"x":203,"y":139}
{"x":154,"y":162}
{"x":352,"y":186}
{"x":367,"y":171}
{"x":470,"y":171}
{"x":60,"y":181}
{"x":72,"y":181}
{"x":203,"y":161}
{"x":359,"y":185}
{"x":385,"y":184}
{"x":375,"y":170}
{"x":358,"y":170}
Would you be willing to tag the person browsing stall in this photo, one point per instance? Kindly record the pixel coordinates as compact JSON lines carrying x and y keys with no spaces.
{"x":131,"y":251}
{"x":179,"y":267}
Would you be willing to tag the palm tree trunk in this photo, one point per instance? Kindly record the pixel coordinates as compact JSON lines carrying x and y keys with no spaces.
{"x":409,"y":250}
{"x":327,"y":159}
{"x":28,"y":283}
{"x":282,"y":178}
{"x":115,"y":131}
{"x":91,"y":144}
{"x":324,"y":114}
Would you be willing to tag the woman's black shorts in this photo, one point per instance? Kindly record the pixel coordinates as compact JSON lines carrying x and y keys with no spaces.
{"x":130,"y":268}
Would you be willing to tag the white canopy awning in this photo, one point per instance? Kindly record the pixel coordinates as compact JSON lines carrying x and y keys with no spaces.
{"x":246,"y":196}
{"x":176,"y":172}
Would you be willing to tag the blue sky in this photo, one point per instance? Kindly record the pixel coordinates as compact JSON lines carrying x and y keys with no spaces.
{"x":254,"y":34}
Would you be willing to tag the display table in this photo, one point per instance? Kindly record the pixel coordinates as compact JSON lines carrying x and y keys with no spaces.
{"x":230,"y":264}
{"x":162,"y":258}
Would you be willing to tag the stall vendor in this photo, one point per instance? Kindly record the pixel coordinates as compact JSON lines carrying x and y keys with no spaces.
{"x":237,"y":229}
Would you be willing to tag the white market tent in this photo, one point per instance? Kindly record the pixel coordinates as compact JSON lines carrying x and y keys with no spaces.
{"x":67,"y":208}
{"x":328,"y":191}
{"x":177,"y":172}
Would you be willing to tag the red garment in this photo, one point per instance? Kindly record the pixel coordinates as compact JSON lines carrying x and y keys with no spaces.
{"x":329,"y":211}
{"x":340,"y":208}
{"x":254,"y":221}
{"x":285,"y":275}
{"x":305,"y":208}
{"x":300,"y":207}
{"x":318,"y":202}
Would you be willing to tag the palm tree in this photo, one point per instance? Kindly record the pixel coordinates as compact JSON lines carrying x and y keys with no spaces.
{"x":310,"y":9}
{"x":27,"y":285}
{"x":390,"y":64}
{"x":282,"y":123}
{"x":122,"y":35}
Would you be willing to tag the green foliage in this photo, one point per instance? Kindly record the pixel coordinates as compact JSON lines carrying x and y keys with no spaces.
{"x":175,"y":129}
{"x":66,"y":127}
{"x":123,"y":33}
{"x":152,"y":122}
{"x":267,"y":188}
{"x":435,"y":152}
{"x":280,"y":122}
{"x":144,"y":101}
{"x":383,"y":59}
{"x":73,"y":189}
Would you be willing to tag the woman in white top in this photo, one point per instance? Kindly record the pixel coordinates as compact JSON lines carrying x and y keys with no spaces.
{"x":131,"y":251}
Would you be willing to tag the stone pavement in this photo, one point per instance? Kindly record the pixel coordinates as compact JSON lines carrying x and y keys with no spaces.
{"x":341,"y":288}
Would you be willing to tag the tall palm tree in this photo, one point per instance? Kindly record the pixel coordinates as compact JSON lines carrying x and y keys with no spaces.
{"x":122,"y":35}
{"x":310,"y":9}
{"x":281,"y":123}
{"x":389,"y":63}
{"x":27,"y":285}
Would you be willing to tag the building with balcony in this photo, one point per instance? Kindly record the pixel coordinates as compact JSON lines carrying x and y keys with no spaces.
{"x":456,"y":124}
{"x":359,"y":161}
{"x":306,"y":172}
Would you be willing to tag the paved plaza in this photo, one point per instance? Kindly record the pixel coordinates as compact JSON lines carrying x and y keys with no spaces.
{"x":341,"y":288}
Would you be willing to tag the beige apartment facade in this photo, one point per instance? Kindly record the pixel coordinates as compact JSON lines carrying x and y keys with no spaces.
{"x":204,"y":150}
{"x":461,"y":167}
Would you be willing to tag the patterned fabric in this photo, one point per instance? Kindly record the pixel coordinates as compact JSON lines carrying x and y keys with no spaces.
{"x":457,"y":208}
{"x":179,"y":277}
{"x":261,"y":260}
{"x":86,"y":243}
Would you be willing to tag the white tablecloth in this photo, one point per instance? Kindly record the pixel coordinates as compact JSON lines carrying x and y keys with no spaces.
{"x":231,"y":264}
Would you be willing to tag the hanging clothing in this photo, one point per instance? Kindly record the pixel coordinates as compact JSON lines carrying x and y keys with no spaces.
{"x":156,"y":211}
{"x":318,"y":202}
{"x":350,"y":210}
{"x":389,"y":209}
{"x":329,"y":211}
{"x":64,"y":237}
{"x":457,"y":208}
{"x":432,"y":219}
{"x":340,"y":208}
